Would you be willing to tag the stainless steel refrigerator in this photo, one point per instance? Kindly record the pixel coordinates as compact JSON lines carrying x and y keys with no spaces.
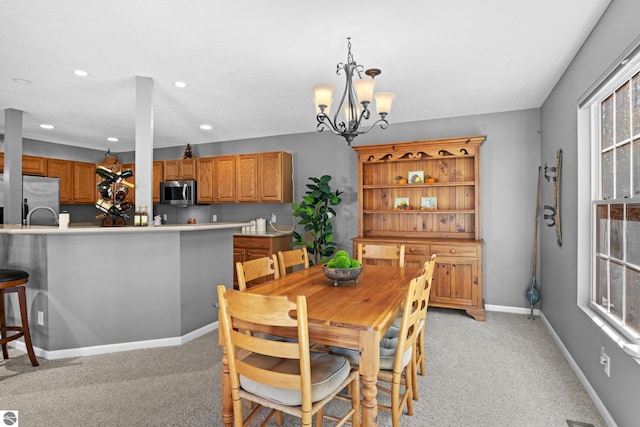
{"x":38,"y":191}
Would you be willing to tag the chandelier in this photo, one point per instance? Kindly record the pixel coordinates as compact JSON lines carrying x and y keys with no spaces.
{"x":355,"y":101}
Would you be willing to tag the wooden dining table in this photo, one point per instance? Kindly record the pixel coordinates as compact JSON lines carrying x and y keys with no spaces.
{"x":351,"y":315}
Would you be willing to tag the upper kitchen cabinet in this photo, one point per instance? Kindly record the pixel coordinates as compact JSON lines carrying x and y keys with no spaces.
{"x":225,"y":173}
{"x":217,"y":179}
{"x":84,"y":176}
{"x":158,"y":175}
{"x":175,"y":170}
{"x":63,"y":169}
{"x":206,"y":177}
{"x":264,"y":177}
{"x":33,"y":165}
{"x":77,"y":180}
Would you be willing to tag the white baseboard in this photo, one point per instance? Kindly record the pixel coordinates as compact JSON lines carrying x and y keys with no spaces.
{"x":583,"y":379}
{"x":113,"y":348}
{"x":508,"y":309}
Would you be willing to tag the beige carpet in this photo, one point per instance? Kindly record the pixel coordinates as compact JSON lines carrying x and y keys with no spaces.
{"x":506,"y":371}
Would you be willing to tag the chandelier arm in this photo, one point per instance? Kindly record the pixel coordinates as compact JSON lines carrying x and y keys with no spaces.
{"x":325,"y":122}
{"x":383,"y":125}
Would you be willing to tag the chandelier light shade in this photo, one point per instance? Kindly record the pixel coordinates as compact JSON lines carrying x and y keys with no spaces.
{"x":355,"y":101}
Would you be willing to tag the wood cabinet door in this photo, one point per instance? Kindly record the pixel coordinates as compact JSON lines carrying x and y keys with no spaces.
{"x":188,"y":168}
{"x":171,"y":170}
{"x":455,"y":282}
{"x":158,"y":171}
{"x":131,"y":195}
{"x":33,"y":165}
{"x":62,"y":169}
{"x":270,"y":173}
{"x":206,"y":177}
{"x":239,"y":255}
{"x":247,"y":188}
{"x":84,"y":176}
{"x":180,"y":169}
{"x":225,"y":179}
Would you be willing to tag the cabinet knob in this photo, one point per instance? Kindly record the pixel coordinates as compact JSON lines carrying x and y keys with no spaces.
{"x":453,"y":251}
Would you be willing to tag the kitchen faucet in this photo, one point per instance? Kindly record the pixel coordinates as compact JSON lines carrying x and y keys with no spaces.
{"x":55,"y":215}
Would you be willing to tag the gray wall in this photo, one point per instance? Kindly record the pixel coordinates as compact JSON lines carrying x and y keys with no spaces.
{"x":509,"y":157}
{"x":616,"y":30}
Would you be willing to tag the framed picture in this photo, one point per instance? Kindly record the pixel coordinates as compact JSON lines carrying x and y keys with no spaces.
{"x":416,"y":177}
{"x":401,"y":203}
{"x":429,"y":203}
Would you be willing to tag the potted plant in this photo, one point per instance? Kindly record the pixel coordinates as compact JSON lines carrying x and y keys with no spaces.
{"x":315,"y":212}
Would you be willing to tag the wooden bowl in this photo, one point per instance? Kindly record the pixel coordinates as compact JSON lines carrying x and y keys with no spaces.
{"x":342,"y":274}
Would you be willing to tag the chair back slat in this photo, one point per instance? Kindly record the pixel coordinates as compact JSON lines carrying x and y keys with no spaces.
{"x":392,"y":253}
{"x":292,"y":258}
{"x":257,"y":270}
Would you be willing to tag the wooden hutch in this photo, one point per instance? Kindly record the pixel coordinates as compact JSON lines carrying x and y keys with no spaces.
{"x":441,"y":217}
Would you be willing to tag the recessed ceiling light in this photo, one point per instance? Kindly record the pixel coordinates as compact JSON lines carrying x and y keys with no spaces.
{"x":22,"y":81}
{"x":112,"y":139}
{"x":45,"y":126}
{"x":80,"y":73}
{"x":206,"y":127}
{"x":180,"y":84}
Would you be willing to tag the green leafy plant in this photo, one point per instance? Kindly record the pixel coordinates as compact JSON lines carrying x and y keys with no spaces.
{"x":314,"y":213}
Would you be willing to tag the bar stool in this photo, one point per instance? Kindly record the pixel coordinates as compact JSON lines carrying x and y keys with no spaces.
{"x":13,"y":281}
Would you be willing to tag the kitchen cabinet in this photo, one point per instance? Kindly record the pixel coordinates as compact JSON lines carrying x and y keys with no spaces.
{"x":33,"y":165}
{"x":217,"y":179}
{"x":265,"y":177}
{"x":225,"y":179}
{"x":247,"y":179}
{"x":248,"y":247}
{"x":448,"y":224}
{"x":84,"y":188}
{"x":131,"y":195}
{"x":206,"y":178}
{"x":77,"y":180}
{"x":180,"y":169}
{"x":63,"y":169}
{"x":158,"y":176}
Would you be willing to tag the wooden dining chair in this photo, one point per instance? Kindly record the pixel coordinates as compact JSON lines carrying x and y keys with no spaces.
{"x":391,"y":253}
{"x":265,"y":268}
{"x":419,"y":355}
{"x":284,"y":376}
{"x":293,"y":258}
{"x":397,"y":354}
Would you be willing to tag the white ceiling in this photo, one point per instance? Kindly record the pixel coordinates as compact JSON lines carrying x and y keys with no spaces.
{"x":250,"y":65}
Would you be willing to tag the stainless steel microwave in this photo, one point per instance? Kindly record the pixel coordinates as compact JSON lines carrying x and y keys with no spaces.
{"x":178,"y":193}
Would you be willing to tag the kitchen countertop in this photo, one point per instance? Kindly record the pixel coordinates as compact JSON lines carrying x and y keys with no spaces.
{"x":268,"y":233}
{"x":93,"y":229}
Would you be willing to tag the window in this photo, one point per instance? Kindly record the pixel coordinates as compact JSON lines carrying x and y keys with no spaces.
{"x":615,"y":200}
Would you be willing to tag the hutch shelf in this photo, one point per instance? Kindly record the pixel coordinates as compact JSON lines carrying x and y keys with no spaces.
{"x":426,"y":195}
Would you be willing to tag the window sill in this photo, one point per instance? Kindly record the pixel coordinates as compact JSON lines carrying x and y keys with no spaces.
{"x":632,"y":350}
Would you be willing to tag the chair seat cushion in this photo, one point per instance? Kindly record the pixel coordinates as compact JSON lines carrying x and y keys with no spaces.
{"x":328,"y":371}
{"x":388,"y":348}
{"x":9,"y":274}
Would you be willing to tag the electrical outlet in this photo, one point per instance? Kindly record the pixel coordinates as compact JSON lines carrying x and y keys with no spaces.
{"x":273,"y":218}
{"x":606,"y":361}
{"x":40,"y":318}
